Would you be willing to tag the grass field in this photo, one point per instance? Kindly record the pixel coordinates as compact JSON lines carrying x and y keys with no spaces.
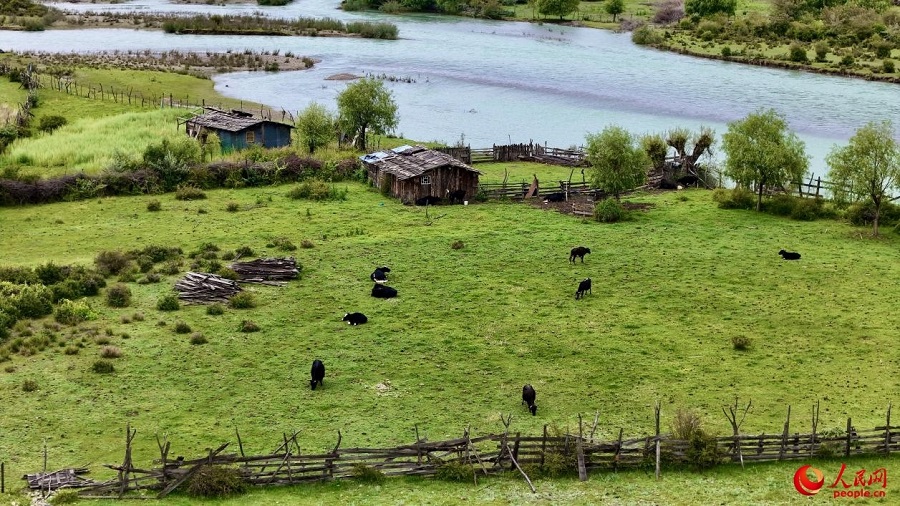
{"x":470,"y":326}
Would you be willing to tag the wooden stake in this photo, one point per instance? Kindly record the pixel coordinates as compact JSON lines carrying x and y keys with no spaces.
{"x":815,"y":424}
{"x":657,"y":409}
{"x":887,"y":432}
{"x":784,"y":433}
{"x":847,"y":449}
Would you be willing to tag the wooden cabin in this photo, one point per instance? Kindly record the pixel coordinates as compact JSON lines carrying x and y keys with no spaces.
{"x":414,"y":172}
{"x":238,"y":130}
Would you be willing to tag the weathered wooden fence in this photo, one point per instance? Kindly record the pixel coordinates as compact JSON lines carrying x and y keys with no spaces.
{"x":484,"y":455}
{"x":517,"y":152}
{"x":519,"y":190}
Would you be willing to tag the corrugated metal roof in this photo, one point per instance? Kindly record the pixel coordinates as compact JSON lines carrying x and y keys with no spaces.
{"x":406,"y":162}
{"x":231,"y":122}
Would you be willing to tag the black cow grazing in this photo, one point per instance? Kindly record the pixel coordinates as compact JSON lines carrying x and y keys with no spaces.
{"x":528,"y":395}
{"x":428,"y":201}
{"x":355,"y":318}
{"x":383,"y":292}
{"x":578,"y":252}
{"x":456,"y":196}
{"x":318,"y":374}
{"x":380,"y":275}
{"x":688,"y":180}
{"x":555,"y":197}
{"x":789,"y":255}
{"x":584,"y":286}
{"x":665,"y":184}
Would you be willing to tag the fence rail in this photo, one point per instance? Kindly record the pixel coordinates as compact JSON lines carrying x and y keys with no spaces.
{"x":485,"y":455}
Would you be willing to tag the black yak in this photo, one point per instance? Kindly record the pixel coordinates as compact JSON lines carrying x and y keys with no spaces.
{"x":528,"y":395}
{"x":578,"y":252}
{"x":584,"y":286}
{"x":318,"y":374}
{"x":789,"y":255}
{"x":355,"y":318}
{"x":383,"y":292}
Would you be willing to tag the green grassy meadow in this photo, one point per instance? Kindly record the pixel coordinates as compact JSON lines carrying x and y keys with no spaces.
{"x":469,"y":328}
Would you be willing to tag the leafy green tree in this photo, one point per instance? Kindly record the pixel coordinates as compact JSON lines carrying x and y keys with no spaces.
{"x":556,"y":7}
{"x":656,"y":149}
{"x":869,"y":166}
{"x":366,"y":105}
{"x":614,"y":7}
{"x":704,"y":8}
{"x":315,"y":127}
{"x":618,"y":162}
{"x":763,"y":153}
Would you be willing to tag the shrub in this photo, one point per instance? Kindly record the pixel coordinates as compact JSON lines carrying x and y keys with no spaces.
{"x":170,"y":161}
{"x":50,"y":273}
{"x":171,"y":267}
{"x":50,"y":123}
{"x":454,"y":470}
{"x":198,"y":338}
{"x":129,"y":275}
{"x":102,"y":340}
{"x":65,"y":496}
{"x":821,"y":49}
{"x":847,"y":60}
{"x":188,"y":192}
{"x":780,"y":205}
{"x":806,"y":209}
{"x":182,"y":328}
{"x":138,"y":317}
{"x":215,"y":309}
{"x":71,"y":350}
{"x":248,"y":326}
{"x":366,"y":473}
{"x":645,"y":35}
{"x":232,"y":207}
{"x":243,"y":252}
{"x":156,"y":253}
{"x":282,"y":243}
{"x":154,"y":206}
{"x":741,"y":342}
{"x":118,"y":295}
{"x":168,"y":302}
{"x":738,"y":198}
{"x":702,"y":451}
{"x":29,"y":385}
{"x":70,"y":312}
{"x":457,"y":245}
{"x":726,"y":51}
{"x":33,"y":301}
{"x":110,"y":263}
{"x":242,"y":300}
{"x":863,"y":213}
{"x":307,"y":244}
{"x":887,"y":66}
{"x":103,"y":367}
{"x":151,"y":277}
{"x":797,"y":53}
{"x":609,"y":211}
{"x":216,"y":481}
{"x":686,"y":423}
{"x":316,"y":189}
{"x":110,"y":352}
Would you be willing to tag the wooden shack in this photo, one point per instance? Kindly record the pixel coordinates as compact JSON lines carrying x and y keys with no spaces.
{"x":237,"y":129}
{"x":414,"y":172}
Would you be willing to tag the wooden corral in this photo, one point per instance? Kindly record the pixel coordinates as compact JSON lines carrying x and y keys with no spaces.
{"x":237,"y":129}
{"x":414,"y":172}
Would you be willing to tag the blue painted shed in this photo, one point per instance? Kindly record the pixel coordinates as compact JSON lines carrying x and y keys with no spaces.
{"x":238,"y":130}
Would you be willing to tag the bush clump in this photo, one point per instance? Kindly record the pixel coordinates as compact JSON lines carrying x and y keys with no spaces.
{"x":198,"y":338}
{"x":154,"y":206}
{"x":188,"y":192}
{"x":182,"y":328}
{"x":702,"y":451}
{"x":168,"y":302}
{"x":738,"y":198}
{"x":243,"y":252}
{"x":242,"y":300}
{"x":215,"y":309}
{"x":609,"y":211}
{"x":50,"y":123}
{"x":29,"y":385}
{"x":457,"y":245}
{"x":103,"y":367}
{"x":69,"y":312}
{"x":118,"y":295}
{"x":863,"y":213}
{"x":316,"y":189}
{"x":248,"y":326}
{"x":307,"y":244}
{"x":367,"y":474}
{"x":454,"y":470}
{"x":216,"y":481}
{"x":111,"y":263}
{"x":232,"y":207}
{"x":282,"y":244}
{"x":741,"y":342}
{"x":110,"y":352}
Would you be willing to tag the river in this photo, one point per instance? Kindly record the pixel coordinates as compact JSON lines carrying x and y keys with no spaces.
{"x":497,"y":82}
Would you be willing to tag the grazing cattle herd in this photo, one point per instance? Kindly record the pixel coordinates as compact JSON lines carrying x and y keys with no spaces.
{"x":381,"y":290}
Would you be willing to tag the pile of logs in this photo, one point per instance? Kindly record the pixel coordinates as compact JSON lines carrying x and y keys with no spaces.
{"x":267,"y":271}
{"x":59,"y":479}
{"x":203,"y":287}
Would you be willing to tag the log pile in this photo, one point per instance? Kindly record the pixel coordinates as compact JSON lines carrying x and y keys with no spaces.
{"x":267,"y":271}
{"x":201,"y":287}
{"x":58,"y":479}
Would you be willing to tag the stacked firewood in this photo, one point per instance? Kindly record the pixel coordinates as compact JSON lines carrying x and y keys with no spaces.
{"x":267,"y":271}
{"x":203,"y":287}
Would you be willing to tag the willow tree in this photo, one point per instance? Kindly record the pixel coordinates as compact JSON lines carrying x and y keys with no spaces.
{"x":618,"y":162}
{"x":869,"y":166}
{"x":762,"y":153}
{"x":366,"y":105}
{"x":691,"y":146}
{"x":315,"y":127}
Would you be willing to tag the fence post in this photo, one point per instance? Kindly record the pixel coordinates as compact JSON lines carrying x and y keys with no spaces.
{"x":657,"y":439}
{"x":887,"y":432}
{"x":784,"y":434}
{"x":847,"y":449}
{"x":544,"y":442}
{"x":2,"y":477}
{"x":818,"y":186}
